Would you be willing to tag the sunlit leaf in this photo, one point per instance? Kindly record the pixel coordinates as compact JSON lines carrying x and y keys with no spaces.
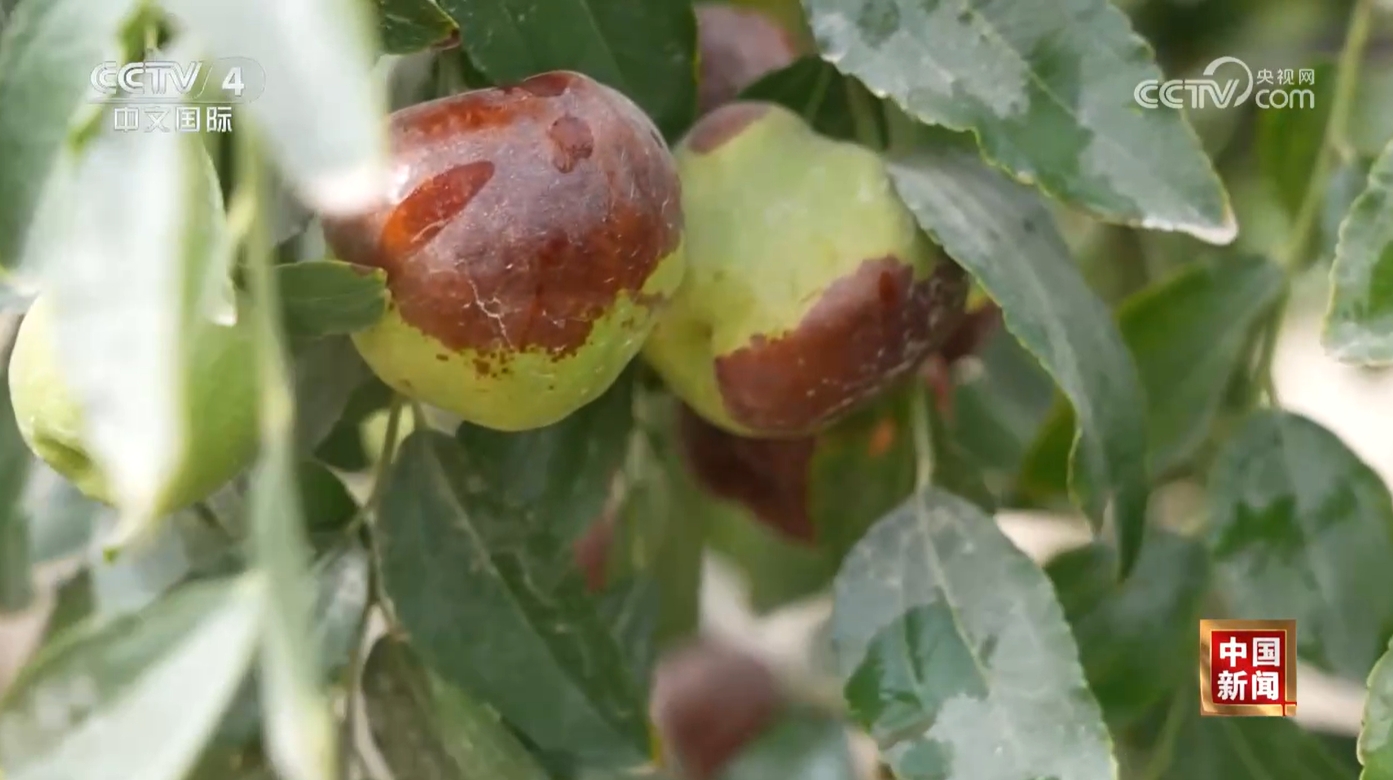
{"x":1359,"y":322}
{"x":939,"y":626}
{"x":1049,"y":93}
{"x":312,"y":94}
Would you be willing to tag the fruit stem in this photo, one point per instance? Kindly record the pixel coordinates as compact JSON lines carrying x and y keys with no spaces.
{"x":923,"y":440}
{"x":1334,"y":140}
{"x":384,"y":464}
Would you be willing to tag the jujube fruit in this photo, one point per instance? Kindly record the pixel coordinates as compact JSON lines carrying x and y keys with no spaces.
{"x":738,"y":46}
{"x":531,"y":235}
{"x":221,"y":397}
{"x":769,"y":477}
{"x":709,"y":700}
{"x":809,"y":287}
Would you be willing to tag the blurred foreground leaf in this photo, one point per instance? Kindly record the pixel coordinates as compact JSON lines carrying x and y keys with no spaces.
{"x":47,"y":53}
{"x":315,"y":102}
{"x":137,"y":696}
{"x":940,"y":625}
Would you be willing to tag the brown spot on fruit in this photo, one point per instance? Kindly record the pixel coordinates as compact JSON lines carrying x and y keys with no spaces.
{"x":573,"y":142}
{"x":738,"y":46}
{"x":442,"y":358}
{"x":721,"y":125}
{"x":862,"y":334}
{"x":548,"y":84}
{"x":769,"y":477}
{"x":431,"y":206}
{"x":526,"y":257}
{"x":709,"y":700}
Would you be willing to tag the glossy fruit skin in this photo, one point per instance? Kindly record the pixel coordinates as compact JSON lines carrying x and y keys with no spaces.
{"x":809,"y":288}
{"x":709,"y":700}
{"x":738,"y":46}
{"x":531,"y":236}
{"x":222,"y":435}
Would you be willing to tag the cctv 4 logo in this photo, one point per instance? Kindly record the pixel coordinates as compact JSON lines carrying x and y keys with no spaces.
{"x":163,"y":79}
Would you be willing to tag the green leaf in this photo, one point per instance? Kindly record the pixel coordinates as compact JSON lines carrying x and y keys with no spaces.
{"x":801,"y":746}
{"x":1049,"y":96}
{"x":61,"y":519}
{"x":872,"y":449}
{"x":646,"y":50}
{"x":1192,"y":746}
{"x":327,"y":373}
{"x":341,"y":577}
{"x":631,"y":609}
{"x":941,"y":625}
{"x":47,"y":53}
{"x":547,"y":662}
{"x":312,"y":95}
{"x":1188,"y":335}
{"x":427,"y":729}
{"x":406,"y":26}
{"x":16,"y":580}
{"x":73,"y":603}
{"x":555,"y":479}
{"x":1137,"y":639}
{"x":299,"y":722}
{"x":1301,"y":528}
{"x":134,"y":697}
{"x":327,"y":505}
{"x":1002,"y":233}
{"x":818,"y":92}
{"x":1359,"y":322}
{"x":330,"y":297}
{"x":1376,"y":734}
{"x":1289,"y":142}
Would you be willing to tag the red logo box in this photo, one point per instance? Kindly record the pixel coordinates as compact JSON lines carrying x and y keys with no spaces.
{"x":1248,"y":668}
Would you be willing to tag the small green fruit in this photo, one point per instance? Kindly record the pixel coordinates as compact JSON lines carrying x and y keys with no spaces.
{"x":373,"y":431}
{"x":809,"y":287}
{"x":222,"y":400}
{"x":531,"y":236}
